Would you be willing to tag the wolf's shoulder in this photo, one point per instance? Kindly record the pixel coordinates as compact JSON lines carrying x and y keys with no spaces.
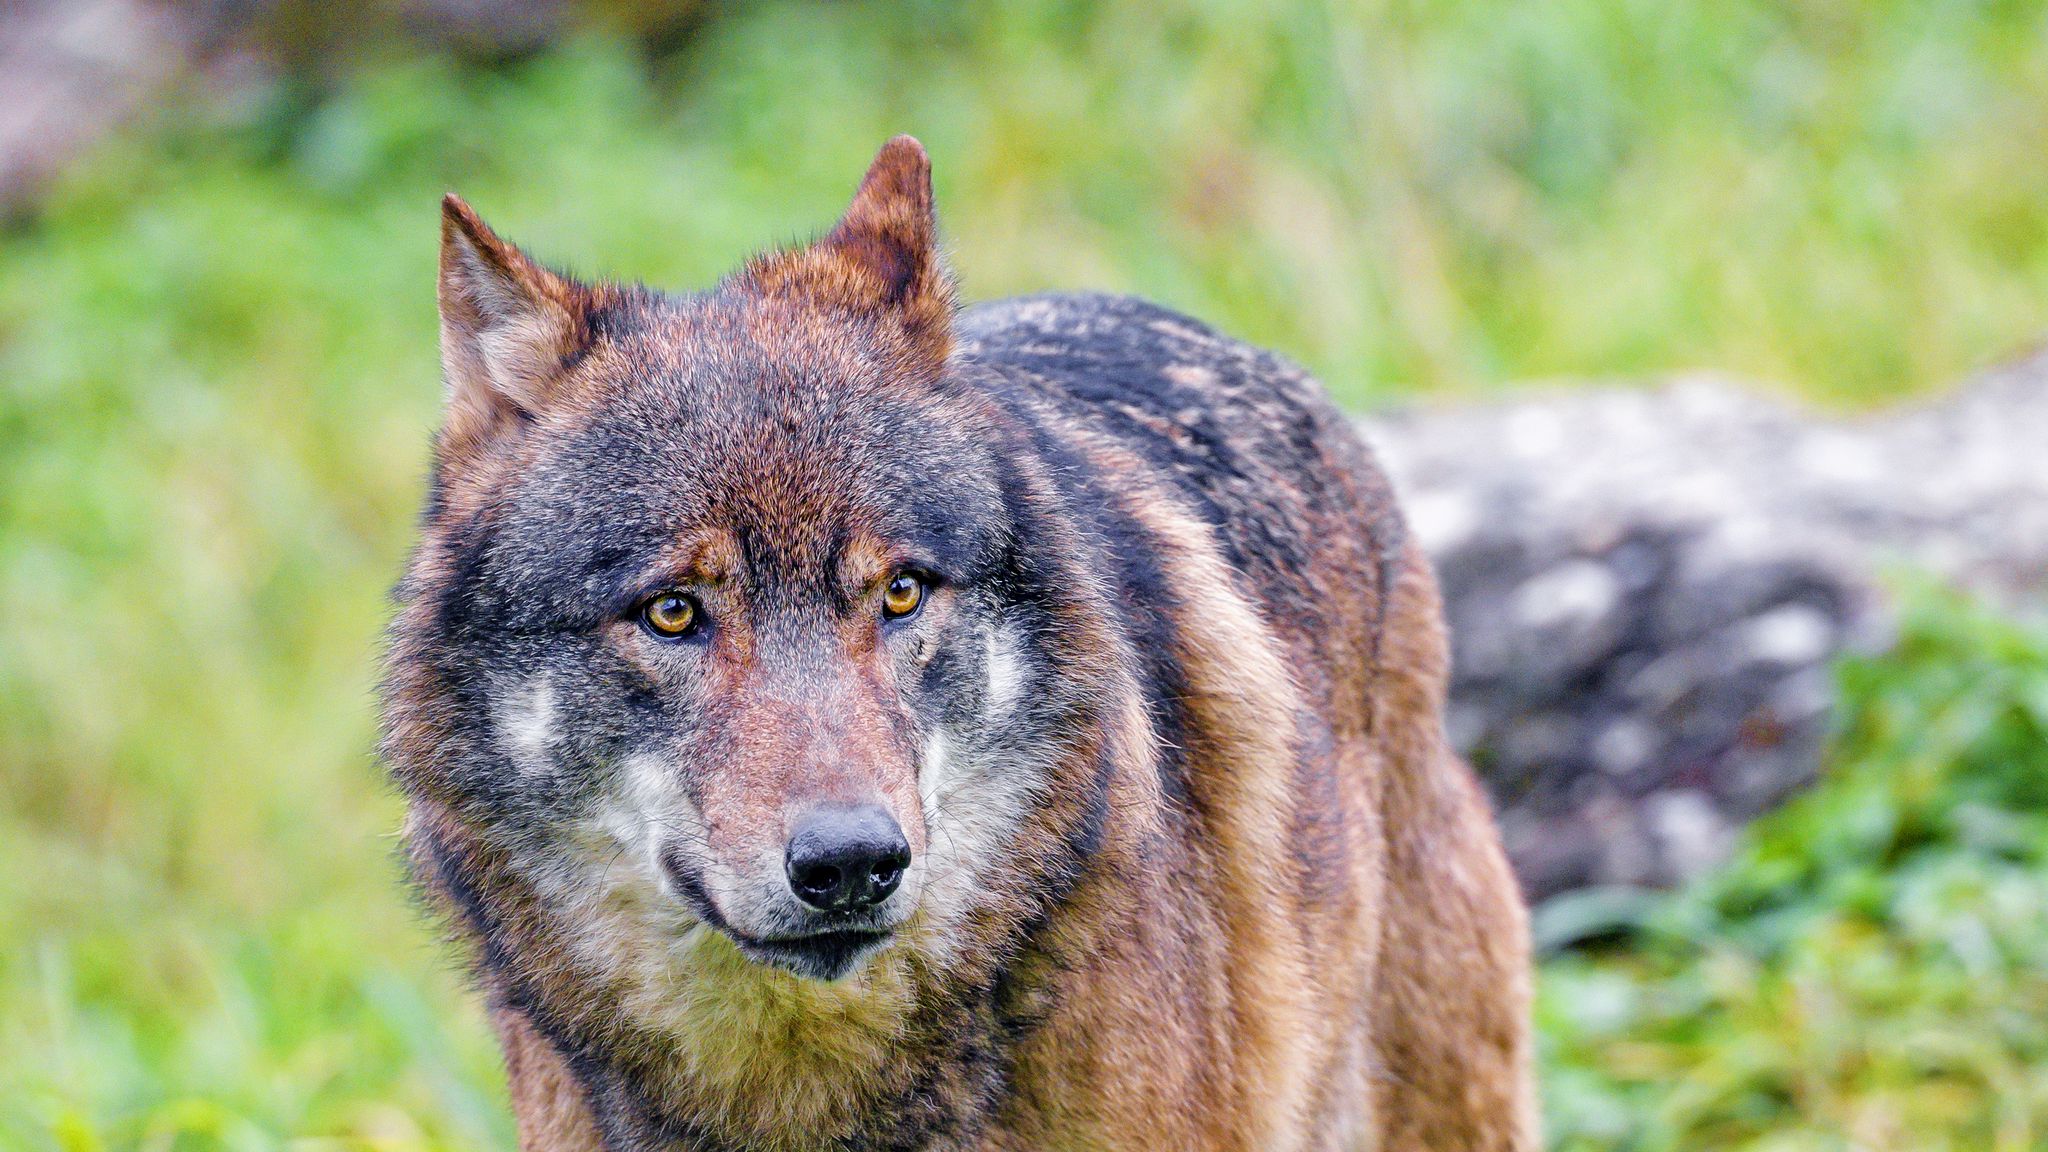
{"x":1095,"y":350}
{"x":1247,"y":436}
{"x":1154,"y":374}
{"x":1077,"y":316}
{"x":1123,"y":338}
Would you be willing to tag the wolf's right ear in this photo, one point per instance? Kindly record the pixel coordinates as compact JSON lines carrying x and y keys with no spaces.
{"x":882,"y":259}
{"x":508,"y":327}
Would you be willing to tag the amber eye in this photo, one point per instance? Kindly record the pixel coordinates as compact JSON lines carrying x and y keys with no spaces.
{"x":903,"y":595}
{"x":670,"y":615}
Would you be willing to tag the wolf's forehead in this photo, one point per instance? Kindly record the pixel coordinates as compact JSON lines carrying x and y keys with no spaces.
{"x":715,"y":500}
{"x":729,"y":351}
{"x":794,"y":459}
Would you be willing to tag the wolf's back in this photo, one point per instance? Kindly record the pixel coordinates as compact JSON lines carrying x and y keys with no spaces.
{"x":1288,"y":638}
{"x":1244,"y":437}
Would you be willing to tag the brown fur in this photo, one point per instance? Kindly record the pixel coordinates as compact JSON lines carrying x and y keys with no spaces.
{"x":881,"y":259}
{"x":553,"y":1114}
{"x":1305,"y":936}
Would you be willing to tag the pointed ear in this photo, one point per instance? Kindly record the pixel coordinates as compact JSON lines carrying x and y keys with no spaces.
{"x":508,"y":327}
{"x":883,"y":255}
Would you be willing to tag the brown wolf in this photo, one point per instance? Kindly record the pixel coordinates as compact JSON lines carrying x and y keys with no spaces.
{"x":841,"y":722}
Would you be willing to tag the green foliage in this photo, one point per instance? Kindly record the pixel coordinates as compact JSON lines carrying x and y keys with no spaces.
{"x":217,"y":379}
{"x":1871,"y":972}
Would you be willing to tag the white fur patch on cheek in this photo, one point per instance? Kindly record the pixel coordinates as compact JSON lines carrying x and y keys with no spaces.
{"x":946,"y":776}
{"x":647,"y":803}
{"x":525,"y":723}
{"x":973,"y":811}
{"x":933,"y":767}
{"x":975,"y":797}
{"x":615,"y":893}
{"x":1005,"y":674}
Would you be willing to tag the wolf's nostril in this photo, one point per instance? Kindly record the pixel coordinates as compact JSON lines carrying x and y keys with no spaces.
{"x":840,"y":859}
{"x":819,"y":881}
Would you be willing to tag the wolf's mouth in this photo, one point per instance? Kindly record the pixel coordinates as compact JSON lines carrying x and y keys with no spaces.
{"x":820,"y":956}
{"x":827,"y":954}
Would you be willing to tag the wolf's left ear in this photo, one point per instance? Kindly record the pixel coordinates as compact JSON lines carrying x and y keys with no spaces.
{"x":508,"y":326}
{"x":882,"y":257}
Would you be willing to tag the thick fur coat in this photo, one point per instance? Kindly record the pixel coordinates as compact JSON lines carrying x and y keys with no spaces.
{"x":1190,"y":865}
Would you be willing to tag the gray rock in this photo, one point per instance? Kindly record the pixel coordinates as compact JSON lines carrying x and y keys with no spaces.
{"x":1646,"y":588}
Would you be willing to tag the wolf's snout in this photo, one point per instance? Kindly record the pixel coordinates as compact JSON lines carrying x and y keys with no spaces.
{"x":844,"y":859}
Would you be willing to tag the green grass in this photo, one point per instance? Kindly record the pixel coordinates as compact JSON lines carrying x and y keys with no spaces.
{"x":217,"y":378}
{"x":1871,"y":971}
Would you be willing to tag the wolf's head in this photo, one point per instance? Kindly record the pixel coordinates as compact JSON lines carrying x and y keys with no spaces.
{"x":739,"y":624}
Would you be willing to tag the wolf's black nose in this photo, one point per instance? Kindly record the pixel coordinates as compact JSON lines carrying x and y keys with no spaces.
{"x":842,"y":859}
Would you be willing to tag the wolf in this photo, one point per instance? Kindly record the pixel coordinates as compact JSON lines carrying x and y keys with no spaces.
{"x":835,"y":719}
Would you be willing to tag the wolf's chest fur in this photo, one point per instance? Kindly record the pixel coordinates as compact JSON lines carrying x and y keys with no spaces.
{"x":840,"y":722}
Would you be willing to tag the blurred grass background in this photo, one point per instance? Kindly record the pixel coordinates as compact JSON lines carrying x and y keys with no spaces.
{"x":218,"y":376}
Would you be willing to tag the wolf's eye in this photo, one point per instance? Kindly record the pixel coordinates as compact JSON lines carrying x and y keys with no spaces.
{"x":902,"y":597}
{"x":669,"y":615}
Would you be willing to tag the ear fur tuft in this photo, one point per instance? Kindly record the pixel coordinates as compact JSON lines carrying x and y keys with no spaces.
{"x":508,"y":326}
{"x":881,"y":259}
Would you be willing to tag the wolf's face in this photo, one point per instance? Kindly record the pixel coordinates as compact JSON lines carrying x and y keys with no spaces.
{"x":748,"y":647}
{"x":733,"y":641}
